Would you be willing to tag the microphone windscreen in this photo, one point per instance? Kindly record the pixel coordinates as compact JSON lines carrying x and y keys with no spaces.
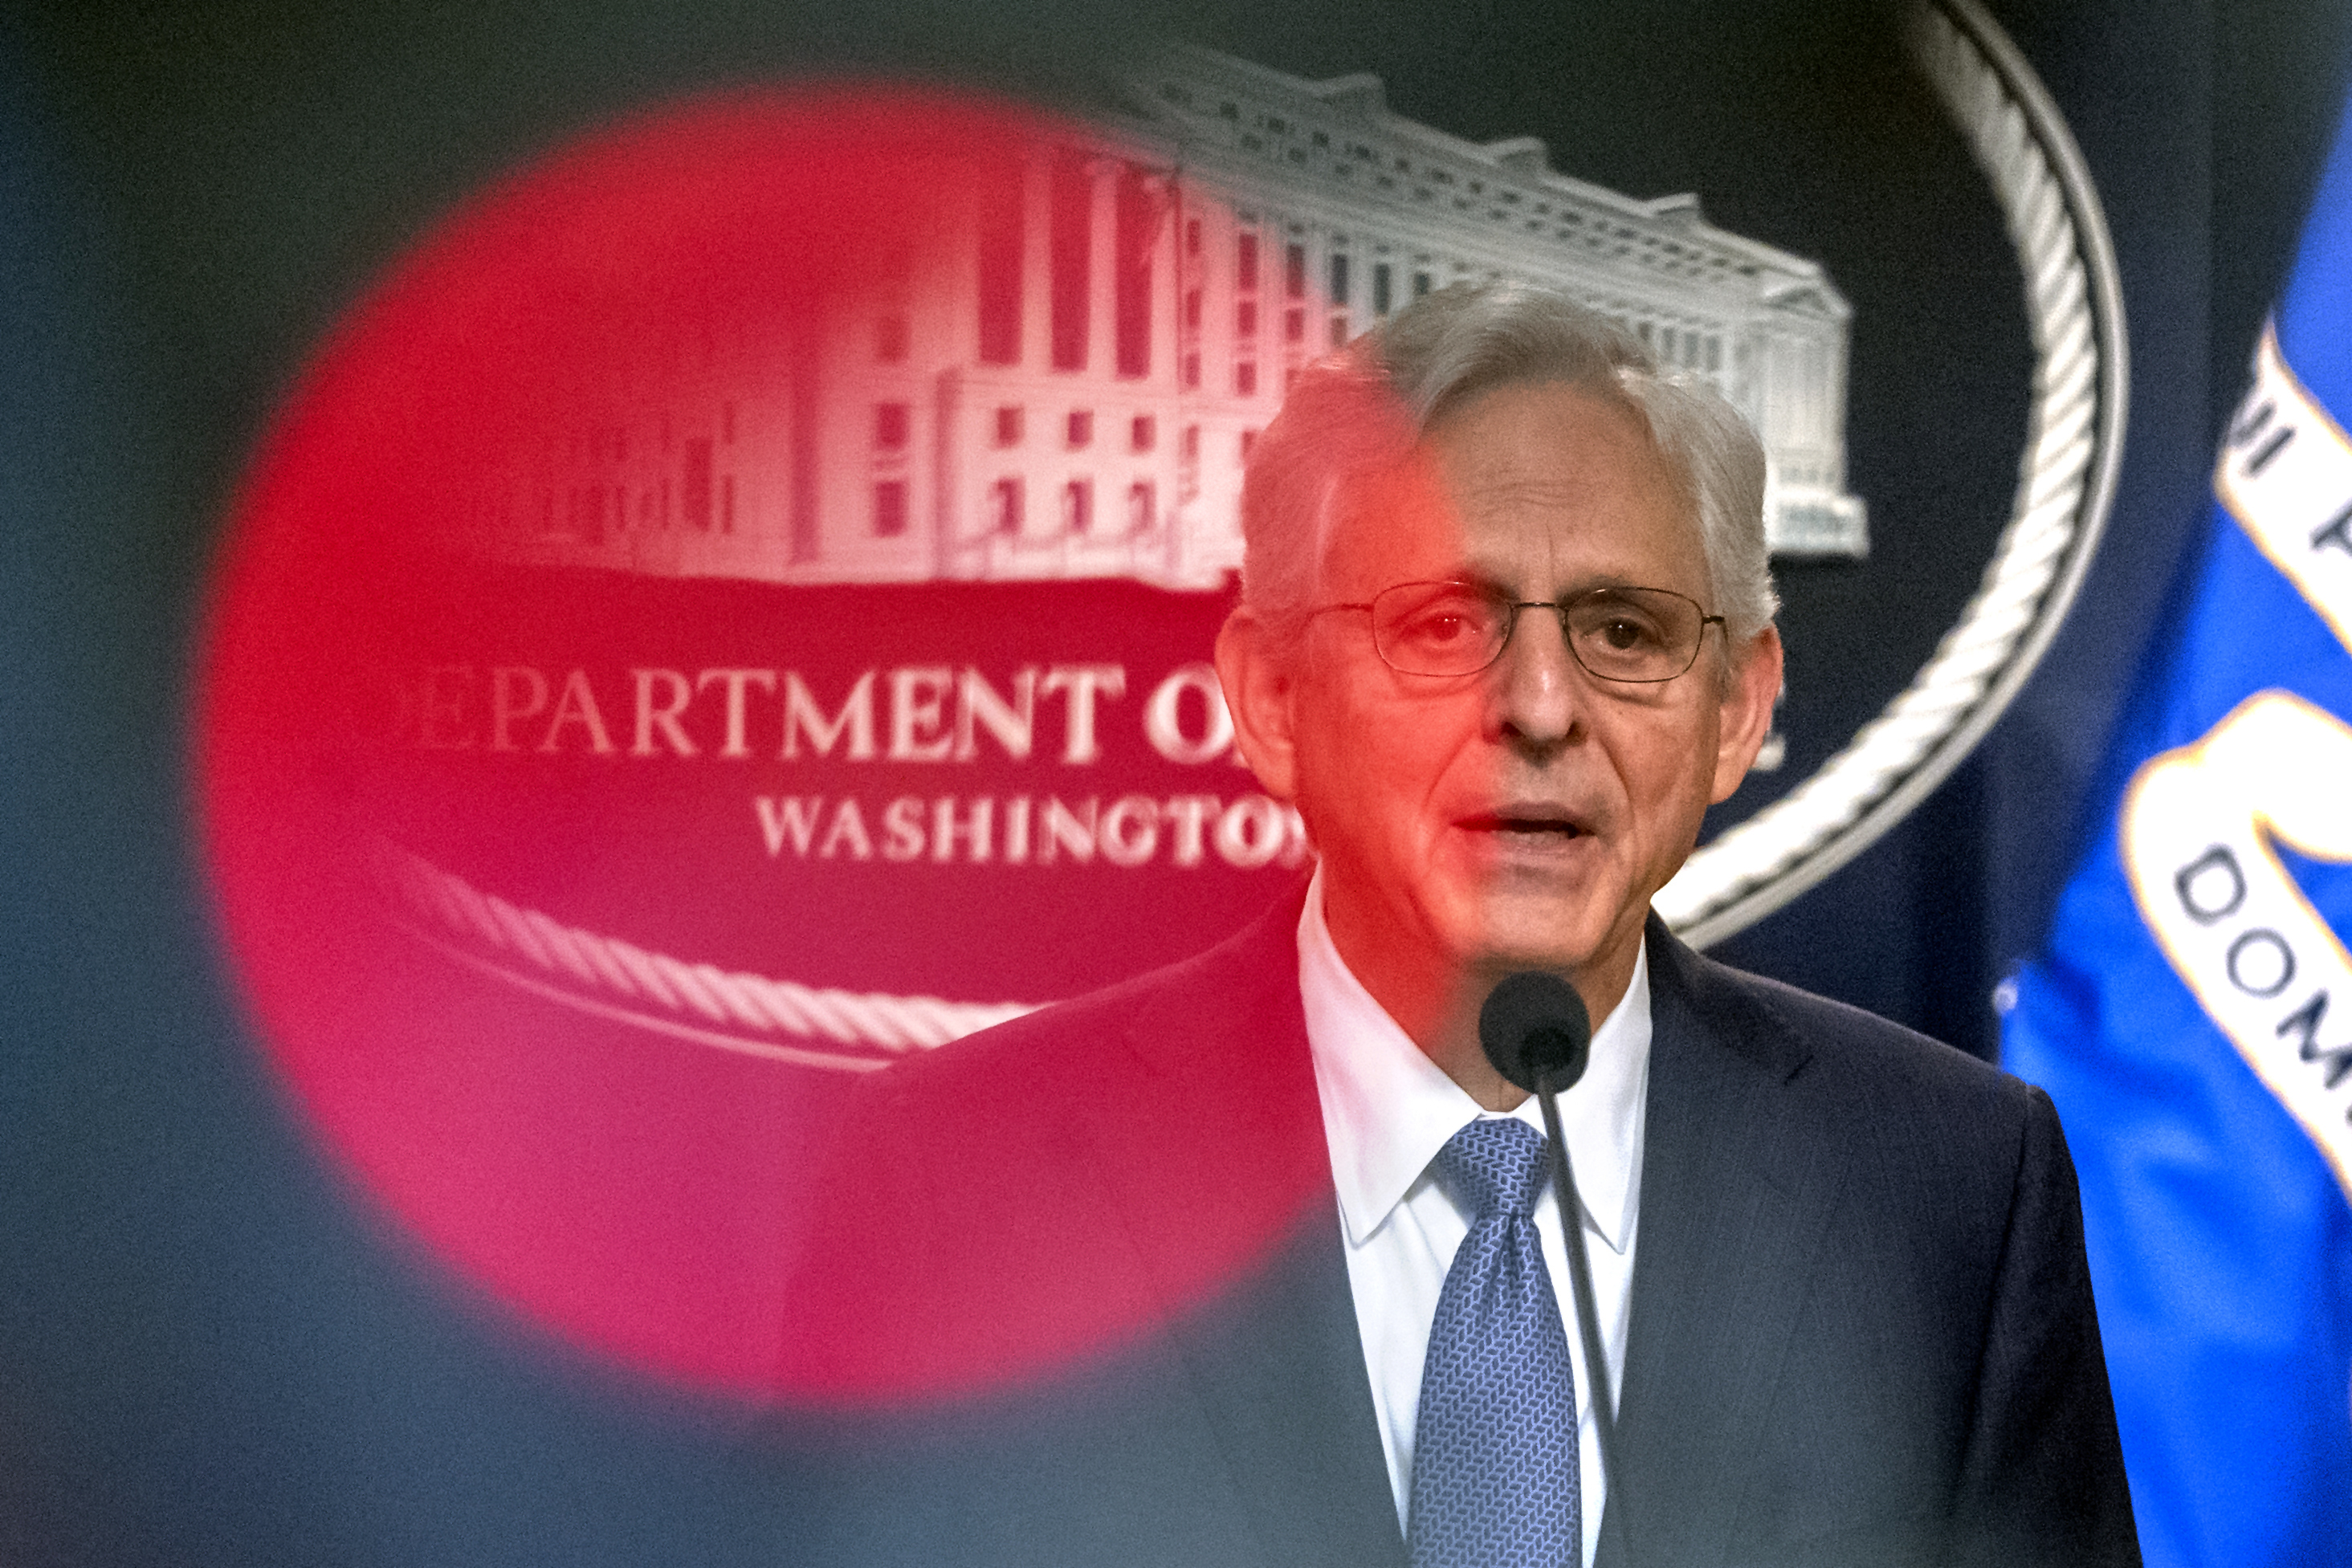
{"x":1533,"y":1027}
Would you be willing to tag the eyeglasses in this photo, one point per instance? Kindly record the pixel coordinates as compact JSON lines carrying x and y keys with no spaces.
{"x":1638,"y":636}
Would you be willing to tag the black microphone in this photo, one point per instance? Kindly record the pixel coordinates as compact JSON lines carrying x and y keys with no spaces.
{"x":1534,"y":1027}
{"x":1537,"y":1034}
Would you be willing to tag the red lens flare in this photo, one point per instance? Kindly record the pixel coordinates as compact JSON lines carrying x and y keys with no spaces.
{"x":726,"y":617}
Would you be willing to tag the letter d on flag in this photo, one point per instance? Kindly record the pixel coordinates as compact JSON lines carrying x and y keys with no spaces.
{"x":2192,"y":1016}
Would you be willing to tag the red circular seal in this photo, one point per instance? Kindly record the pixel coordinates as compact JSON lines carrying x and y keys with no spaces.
{"x":726,"y":614}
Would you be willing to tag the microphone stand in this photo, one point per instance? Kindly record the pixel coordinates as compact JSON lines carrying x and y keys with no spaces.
{"x":1588,"y":1318}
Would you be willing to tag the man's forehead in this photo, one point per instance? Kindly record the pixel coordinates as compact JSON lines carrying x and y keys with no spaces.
{"x":1559,"y":481}
{"x":1542,"y":444}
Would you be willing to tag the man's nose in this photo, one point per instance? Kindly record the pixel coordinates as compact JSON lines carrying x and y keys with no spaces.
{"x":1537,"y":688}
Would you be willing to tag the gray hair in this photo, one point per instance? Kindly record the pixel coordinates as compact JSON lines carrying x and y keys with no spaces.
{"x":1357,"y":413}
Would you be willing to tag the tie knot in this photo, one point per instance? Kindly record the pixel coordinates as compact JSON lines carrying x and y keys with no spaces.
{"x":1497,"y":1165}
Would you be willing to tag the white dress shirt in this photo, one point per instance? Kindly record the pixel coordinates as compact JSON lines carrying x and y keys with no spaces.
{"x":1387,"y":1111}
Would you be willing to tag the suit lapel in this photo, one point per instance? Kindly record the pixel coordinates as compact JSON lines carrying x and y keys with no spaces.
{"x":1738,"y":1187}
{"x":1279,"y":1372}
{"x":1272,"y":1357}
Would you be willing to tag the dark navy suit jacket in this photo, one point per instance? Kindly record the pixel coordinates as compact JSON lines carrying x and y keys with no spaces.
{"x":1081,"y":1295}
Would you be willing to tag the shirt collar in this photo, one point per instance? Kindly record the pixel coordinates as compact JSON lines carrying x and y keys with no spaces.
{"x":1388,"y":1109}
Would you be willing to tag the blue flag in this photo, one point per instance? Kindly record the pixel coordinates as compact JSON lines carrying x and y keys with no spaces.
{"x":2192,"y":1016}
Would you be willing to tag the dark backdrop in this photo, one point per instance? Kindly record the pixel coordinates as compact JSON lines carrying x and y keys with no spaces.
{"x":210,"y":1351}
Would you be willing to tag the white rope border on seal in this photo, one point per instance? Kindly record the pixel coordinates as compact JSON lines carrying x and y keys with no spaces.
{"x":2066,"y":484}
{"x":617,"y":980}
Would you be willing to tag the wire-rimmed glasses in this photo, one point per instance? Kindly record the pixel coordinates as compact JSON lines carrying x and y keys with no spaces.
{"x":1636,"y":636}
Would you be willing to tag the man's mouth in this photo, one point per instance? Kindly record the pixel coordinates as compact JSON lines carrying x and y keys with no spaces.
{"x":1534,"y":822}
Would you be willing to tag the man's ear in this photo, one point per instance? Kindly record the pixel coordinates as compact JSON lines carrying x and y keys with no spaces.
{"x":1747,"y":718}
{"x":1259,"y":685}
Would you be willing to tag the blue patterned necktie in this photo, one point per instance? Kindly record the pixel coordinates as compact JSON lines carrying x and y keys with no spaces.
{"x":1494,"y":1449}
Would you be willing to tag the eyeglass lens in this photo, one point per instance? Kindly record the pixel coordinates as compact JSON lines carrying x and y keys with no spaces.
{"x":1630,"y":635}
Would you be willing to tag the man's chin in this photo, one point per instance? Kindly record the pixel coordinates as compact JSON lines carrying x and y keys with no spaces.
{"x":1562,"y":936}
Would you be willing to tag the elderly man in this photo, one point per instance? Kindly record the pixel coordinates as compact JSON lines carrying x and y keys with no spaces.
{"x":1254,"y":1260}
